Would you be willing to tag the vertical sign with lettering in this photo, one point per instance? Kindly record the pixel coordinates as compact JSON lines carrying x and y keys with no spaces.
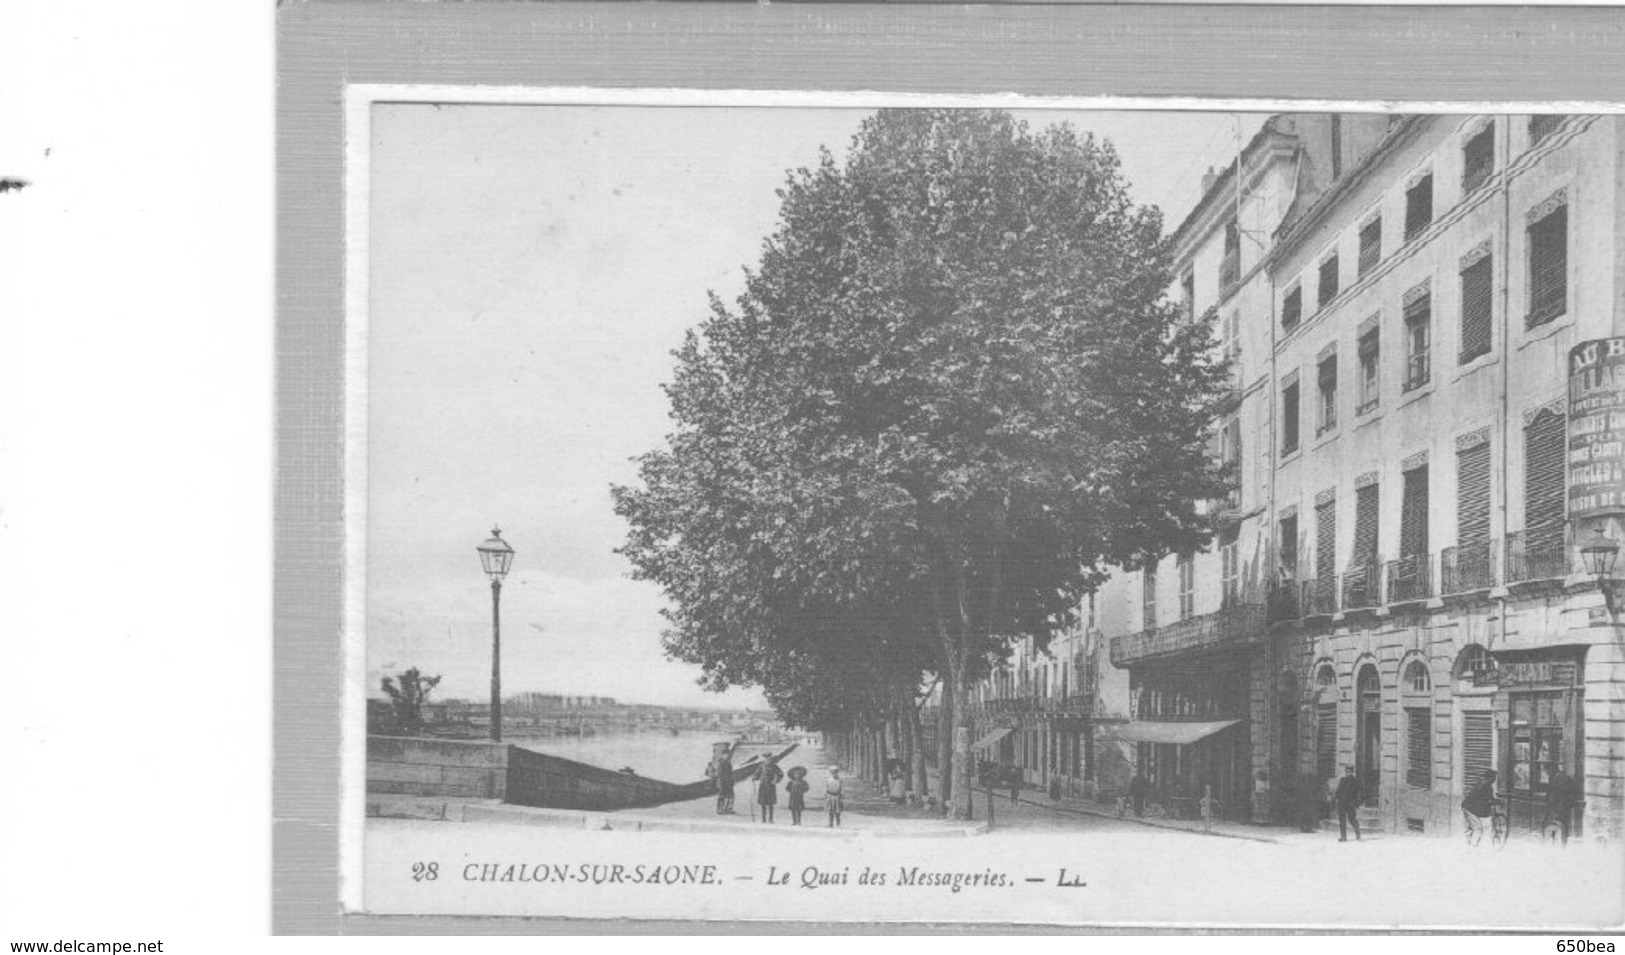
{"x":1596,"y":465}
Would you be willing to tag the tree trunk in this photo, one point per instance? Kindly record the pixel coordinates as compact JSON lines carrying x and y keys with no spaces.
{"x":911,"y":717}
{"x":961,"y":750}
{"x":945,"y":745}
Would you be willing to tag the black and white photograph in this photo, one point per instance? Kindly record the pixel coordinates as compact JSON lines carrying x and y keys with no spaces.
{"x":829,"y":509}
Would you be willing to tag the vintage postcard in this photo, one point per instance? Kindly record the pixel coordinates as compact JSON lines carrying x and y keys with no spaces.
{"x":911,"y":509}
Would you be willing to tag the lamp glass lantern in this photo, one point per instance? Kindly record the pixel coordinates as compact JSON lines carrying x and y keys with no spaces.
{"x":496,"y":555}
{"x":1599,"y":554}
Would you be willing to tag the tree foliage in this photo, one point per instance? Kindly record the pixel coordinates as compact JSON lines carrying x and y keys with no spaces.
{"x":407,"y":696}
{"x":951,"y":395}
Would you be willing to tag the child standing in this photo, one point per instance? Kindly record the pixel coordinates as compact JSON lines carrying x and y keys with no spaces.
{"x":797,"y":789}
{"x":832,"y":795}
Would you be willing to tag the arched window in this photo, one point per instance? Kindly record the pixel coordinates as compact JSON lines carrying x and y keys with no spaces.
{"x":1417,"y":686}
{"x":1475,"y":669}
{"x":1416,"y":677}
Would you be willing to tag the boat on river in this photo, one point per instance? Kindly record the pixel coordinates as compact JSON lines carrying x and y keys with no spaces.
{"x":553,"y":782}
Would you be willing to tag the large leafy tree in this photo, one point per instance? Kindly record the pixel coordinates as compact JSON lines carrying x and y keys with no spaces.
{"x":951,"y":395}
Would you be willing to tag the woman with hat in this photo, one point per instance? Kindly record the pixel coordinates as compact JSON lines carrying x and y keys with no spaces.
{"x":797,"y":789}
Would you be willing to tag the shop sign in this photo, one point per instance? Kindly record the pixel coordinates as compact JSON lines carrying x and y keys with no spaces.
{"x":1485,"y":676}
{"x":1596,"y":428}
{"x":1560,"y":673}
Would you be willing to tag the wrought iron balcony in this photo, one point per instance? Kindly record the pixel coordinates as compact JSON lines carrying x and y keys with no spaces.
{"x":1538,"y":553}
{"x":1240,"y":625}
{"x":1410,"y":579}
{"x":1362,"y":586}
{"x":1319,"y":596}
{"x":1078,"y":703}
{"x":1467,"y":567}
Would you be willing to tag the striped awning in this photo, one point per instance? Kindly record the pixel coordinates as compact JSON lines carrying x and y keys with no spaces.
{"x":1154,"y":731}
{"x":992,"y":738}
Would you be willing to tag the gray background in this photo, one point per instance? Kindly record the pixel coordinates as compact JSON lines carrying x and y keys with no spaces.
{"x":1276,"y":52}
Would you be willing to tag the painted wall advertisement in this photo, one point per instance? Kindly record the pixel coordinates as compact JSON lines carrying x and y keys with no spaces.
{"x":1596,"y":466}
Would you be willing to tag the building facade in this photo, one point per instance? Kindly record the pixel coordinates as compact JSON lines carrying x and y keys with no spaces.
{"x":1396,"y":585}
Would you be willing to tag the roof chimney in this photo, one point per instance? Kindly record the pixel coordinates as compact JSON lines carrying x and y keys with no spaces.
{"x":1207,"y":180}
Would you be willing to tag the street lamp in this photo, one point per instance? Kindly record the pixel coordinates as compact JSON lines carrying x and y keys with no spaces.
{"x":495,"y":556}
{"x":1599,"y":554}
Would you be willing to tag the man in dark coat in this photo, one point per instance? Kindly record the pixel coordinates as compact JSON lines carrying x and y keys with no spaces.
{"x":1478,"y":807}
{"x":1347,"y":799}
{"x":1561,"y":796}
{"x":1137,"y":788}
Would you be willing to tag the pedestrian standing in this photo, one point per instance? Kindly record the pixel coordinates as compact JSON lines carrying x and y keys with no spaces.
{"x":724,"y":772}
{"x":1137,"y":789}
{"x":796,"y":791}
{"x":1561,"y":796}
{"x":1478,"y":807}
{"x":1347,"y":800}
{"x":1013,"y":774}
{"x":767,"y":786}
{"x":833,"y":793}
{"x":897,"y":782}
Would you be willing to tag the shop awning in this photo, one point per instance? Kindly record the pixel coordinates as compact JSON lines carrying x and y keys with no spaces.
{"x":992,"y":738}
{"x":1150,"y":731}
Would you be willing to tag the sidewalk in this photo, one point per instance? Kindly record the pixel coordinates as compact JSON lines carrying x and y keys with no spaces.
{"x":1081,"y":809}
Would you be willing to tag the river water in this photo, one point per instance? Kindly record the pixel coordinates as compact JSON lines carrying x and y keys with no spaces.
{"x":674,"y":759}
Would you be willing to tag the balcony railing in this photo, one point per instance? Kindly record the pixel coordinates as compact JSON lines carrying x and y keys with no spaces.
{"x":1319,"y":596}
{"x":1079,"y":703}
{"x":1239,"y":625}
{"x":1362,"y":586}
{"x":1467,"y":567}
{"x":1538,"y":553}
{"x":1410,"y":579}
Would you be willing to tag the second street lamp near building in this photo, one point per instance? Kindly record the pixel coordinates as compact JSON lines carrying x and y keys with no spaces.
{"x":495,"y":557}
{"x":1599,"y":554}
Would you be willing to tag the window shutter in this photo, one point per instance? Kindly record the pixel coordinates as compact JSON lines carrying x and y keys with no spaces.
{"x":1419,"y":747}
{"x":1326,"y":539}
{"x":1478,"y":159}
{"x":1326,"y":740}
{"x":1292,"y":308}
{"x":1548,"y":266}
{"x":1328,"y":281}
{"x":1289,"y":545}
{"x":1418,"y":206}
{"x":1477,"y":283}
{"x":1478,"y":747}
{"x":1413,"y":514}
{"x":1417,"y":340}
{"x":1473,"y":495}
{"x":1289,"y":418}
{"x":1365,"y":526}
{"x":1370,"y":245}
{"x":1543,"y":505}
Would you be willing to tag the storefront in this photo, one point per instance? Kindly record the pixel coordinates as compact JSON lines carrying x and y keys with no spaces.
{"x":1539,"y":707}
{"x":1191,"y":736}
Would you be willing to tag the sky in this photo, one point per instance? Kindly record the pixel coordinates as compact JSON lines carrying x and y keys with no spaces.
{"x":531,"y":270}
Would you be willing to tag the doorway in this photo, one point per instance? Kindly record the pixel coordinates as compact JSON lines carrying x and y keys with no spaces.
{"x":1368,"y":734}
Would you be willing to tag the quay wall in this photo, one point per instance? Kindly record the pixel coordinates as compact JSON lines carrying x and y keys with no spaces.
{"x":470,"y":769}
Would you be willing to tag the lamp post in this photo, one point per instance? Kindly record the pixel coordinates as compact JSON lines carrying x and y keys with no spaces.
{"x":495,"y":556}
{"x":1599,"y":554}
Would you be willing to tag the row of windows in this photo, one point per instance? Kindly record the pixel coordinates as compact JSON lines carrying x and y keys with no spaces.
{"x":1478,"y":164}
{"x":1548,"y":272}
{"x":1544,"y":510}
{"x":1185,"y":566}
